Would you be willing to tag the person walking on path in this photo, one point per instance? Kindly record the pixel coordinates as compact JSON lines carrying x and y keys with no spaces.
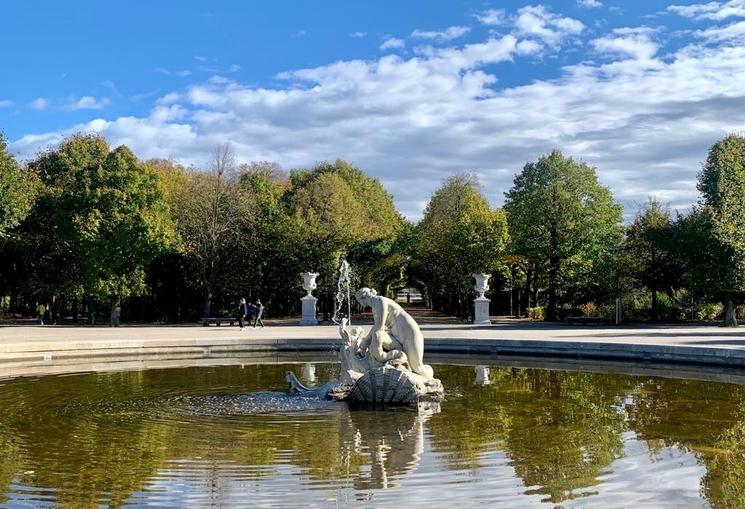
{"x":41,"y":310}
{"x":250,"y":313}
{"x":259,"y":310}
{"x":242,"y":311}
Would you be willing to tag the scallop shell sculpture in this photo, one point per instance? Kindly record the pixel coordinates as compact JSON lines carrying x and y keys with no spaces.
{"x":385,"y":385}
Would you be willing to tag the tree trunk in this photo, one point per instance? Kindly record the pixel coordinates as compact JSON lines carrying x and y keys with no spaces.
{"x":655,"y":311}
{"x":553,"y":276}
{"x":528,"y":283}
{"x":207,"y":303}
{"x":512,"y":292}
{"x":730,"y":318}
{"x":55,"y":309}
{"x":92,"y":310}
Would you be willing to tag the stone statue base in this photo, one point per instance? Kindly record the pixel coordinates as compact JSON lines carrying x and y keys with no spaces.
{"x":309,"y":311}
{"x":481,"y":311}
{"x":386,"y":385}
{"x":391,"y":386}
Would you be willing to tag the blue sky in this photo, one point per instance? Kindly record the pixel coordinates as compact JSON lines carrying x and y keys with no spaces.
{"x":409,"y":91}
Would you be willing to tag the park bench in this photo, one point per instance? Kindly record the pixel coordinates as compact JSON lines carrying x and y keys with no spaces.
{"x":585,"y":320}
{"x":217,"y":321}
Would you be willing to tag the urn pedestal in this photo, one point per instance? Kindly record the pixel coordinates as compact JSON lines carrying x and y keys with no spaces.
{"x":481,"y":311}
{"x":308,"y":316}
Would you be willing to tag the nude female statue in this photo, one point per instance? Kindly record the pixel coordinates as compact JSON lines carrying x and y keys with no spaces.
{"x":393,"y":330}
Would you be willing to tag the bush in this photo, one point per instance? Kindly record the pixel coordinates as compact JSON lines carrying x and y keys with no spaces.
{"x":636,"y":306}
{"x":708,"y":310}
{"x":536,"y":313}
{"x":740,"y":312}
{"x":589,"y":309}
{"x":669,"y":310}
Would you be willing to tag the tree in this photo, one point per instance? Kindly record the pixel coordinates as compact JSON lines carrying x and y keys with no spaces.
{"x":458,"y":235}
{"x":212,"y":216}
{"x":17,"y":190}
{"x":564,"y":222}
{"x":336,"y":210}
{"x":100,"y":219}
{"x":722,"y":185}
{"x":649,"y":256}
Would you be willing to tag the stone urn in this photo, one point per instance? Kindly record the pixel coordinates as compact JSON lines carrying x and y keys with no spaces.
{"x":482,"y":283}
{"x":309,"y":282}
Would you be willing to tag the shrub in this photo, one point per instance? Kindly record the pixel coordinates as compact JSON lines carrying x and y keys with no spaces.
{"x":589,"y":309}
{"x":740,"y":312}
{"x":536,"y":313}
{"x":669,"y":310}
{"x":708,"y":310}
{"x":636,"y":306}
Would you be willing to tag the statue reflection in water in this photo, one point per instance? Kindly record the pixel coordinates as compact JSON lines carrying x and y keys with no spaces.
{"x":393,"y":440}
{"x":482,"y":375}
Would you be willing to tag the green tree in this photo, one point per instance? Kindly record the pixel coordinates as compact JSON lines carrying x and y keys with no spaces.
{"x":649,"y":255}
{"x":564,"y":222}
{"x":100,"y":219}
{"x":722,"y":185}
{"x":17,"y":190}
{"x":336,"y":210}
{"x":458,"y":235}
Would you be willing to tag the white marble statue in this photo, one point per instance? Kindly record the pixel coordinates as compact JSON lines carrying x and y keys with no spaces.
{"x":393,"y":331}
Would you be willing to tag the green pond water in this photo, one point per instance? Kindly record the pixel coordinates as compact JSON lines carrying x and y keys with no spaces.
{"x":229,"y":437}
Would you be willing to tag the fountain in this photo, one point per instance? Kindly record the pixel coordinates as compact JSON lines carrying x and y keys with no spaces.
{"x":343,"y":286}
{"x":384,"y":366}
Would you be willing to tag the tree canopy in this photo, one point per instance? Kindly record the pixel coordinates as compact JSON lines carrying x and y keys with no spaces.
{"x":459,"y":234}
{"x":101,"y":217}
{"x":565,"y":224}
{"x":722,"y":185}
{"x":17,"y":190}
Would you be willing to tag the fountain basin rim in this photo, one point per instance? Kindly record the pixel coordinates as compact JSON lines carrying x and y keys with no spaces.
{"x":93,"y":355}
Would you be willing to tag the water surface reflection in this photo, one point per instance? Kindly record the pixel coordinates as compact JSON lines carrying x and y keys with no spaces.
{"x":504,"y":437}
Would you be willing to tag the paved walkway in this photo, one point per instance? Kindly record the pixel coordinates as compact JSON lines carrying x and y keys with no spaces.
{"x":34,"y":349}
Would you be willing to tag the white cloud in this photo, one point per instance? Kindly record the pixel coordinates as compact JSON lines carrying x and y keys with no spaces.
{"x":183,"y":73}
{"x":446,"y":35}
{"x":627,"y":42}
{"x":492,"y":17}
{"x":169,"y":98}
{"x":300,"y":33}
{"x":528,"y":47}
{"x":88,"y":103}
{"x":392,"y":43}
{"x":734,"y":32}
{"x":590,"y":4}
{"x":233,"y":68}
{"x":5,"y":103}
{"x":645,"y":122}
{"x":358,"y":35}
{"x":40,"y":103}
{"x":712,"y":10}
{"x":538,"y":21}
